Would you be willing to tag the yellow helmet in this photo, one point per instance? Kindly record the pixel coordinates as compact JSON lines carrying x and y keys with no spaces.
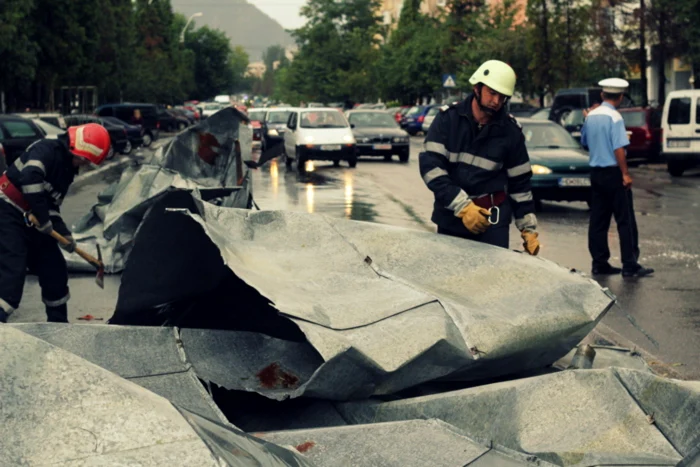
{"x":497,"y":75}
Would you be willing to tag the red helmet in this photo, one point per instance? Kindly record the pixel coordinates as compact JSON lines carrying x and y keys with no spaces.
{"x":90,"y":141}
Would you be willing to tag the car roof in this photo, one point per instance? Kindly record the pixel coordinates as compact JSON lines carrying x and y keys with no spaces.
{"x":367,"y":111}
{"x":576,"y":90}
{"x":281,"y":109}
{"x":13,"y":118}
{"x":535,"y":121}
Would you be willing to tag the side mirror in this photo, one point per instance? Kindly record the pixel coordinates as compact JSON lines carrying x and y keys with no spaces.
{"x":352,"y":125}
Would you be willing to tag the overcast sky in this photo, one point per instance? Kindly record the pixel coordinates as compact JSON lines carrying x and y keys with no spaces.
{"x":285,"y":12}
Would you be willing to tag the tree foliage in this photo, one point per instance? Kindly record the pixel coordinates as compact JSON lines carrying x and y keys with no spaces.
{"x":127,"y":49}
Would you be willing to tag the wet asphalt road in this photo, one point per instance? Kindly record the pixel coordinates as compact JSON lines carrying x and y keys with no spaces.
{"x":665,"y":307}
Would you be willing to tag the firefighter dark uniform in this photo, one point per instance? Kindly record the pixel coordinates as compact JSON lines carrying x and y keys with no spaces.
{"x":463,"y":162}
{"x":37,"y":182}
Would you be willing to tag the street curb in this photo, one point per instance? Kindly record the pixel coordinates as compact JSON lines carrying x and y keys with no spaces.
{"x":84,"y":179}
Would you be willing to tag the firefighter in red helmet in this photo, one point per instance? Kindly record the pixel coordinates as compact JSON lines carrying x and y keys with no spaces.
{"x":36,"y":183}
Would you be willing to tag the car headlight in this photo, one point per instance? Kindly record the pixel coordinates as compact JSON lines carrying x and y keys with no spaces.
{"x":400,"y":139}
{"x":348,"y":138}
{"x":364,"y":140}
{"x":273,"y":132}
{"x":541,"y":170}
{"x":309,"y":139}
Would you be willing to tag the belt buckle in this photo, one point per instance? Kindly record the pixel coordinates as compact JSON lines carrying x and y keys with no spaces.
{"x":494,"y":210}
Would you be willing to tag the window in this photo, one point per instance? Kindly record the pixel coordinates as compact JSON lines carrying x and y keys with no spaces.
{"x":634,"y":119}
{"x":278,"y":117}
{"x":547,"y":135}
{"x":323,"y":119}
{"x":372,"y":119}
{"x":679,"y":111}
{"x":19,"y":129}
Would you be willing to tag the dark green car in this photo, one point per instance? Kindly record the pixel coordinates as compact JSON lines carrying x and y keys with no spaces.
{"x":559,"y":165}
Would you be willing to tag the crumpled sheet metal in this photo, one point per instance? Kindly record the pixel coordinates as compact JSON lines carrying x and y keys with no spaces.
{"x":203,"y":156}
{"x":59,"y":409}
{"x":411,"y":443}
{"x":571,"y":418}
{"x":608,"y":356}
{"x":386,"y":308}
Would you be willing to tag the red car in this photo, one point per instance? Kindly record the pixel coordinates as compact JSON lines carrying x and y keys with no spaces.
{"x":644,"y":130}
{"x":256,"y":116}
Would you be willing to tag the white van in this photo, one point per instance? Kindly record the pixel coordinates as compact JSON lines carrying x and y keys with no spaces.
{"x":681,"y":131}
{"x":319,"y":134}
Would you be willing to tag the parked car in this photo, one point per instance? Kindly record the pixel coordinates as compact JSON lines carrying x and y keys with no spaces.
{"x":49,"y":131}
{"x":16,"y":134}
{"x":125,"y":112}
{"x":429,"y":117}
{"x":520,"y":109}
{"x":559,"y":165}
{"x":210,"y":108}
{"x":569,"y":99}
{"x":3,"y":162}
{"x":681,"y":131}
{"x":572,"y":120}
{"x":274,"y":125}
{"x":377,"y":134}
{"x":541,"y":114}
{"x":117,"y":134}
{"x":133,"y":132}
{"x":644,"y":130}
{"x":53,"y":118}
{"x":184,"y":113}
{"x":412,"y":120}
{"x":170,"y":121}
{"x":318,"y":134}
{"x":256,"y":116}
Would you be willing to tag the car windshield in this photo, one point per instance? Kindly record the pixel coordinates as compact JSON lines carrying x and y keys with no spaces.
{"x":257,"y":115}
{"x":323,"y":119}
{"x":433,"y":112}
{"x":547,"y":135}
{"x":542,"y":114}
{"x":48,"y":128}
{"x":372,"y":119}
{"x":573,"y":118}
{"x":633,"y":119}
{"x":115,"y":121}
{"x":278,"y":117}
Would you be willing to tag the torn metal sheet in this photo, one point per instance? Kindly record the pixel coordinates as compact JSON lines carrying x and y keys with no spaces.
{"x":206,"y":157}
{"x":608,"y":356}
{"x":60,"y":409}
{"x":412,"y":443}
{"x":386,"y":308}
{"x":571,"y":418}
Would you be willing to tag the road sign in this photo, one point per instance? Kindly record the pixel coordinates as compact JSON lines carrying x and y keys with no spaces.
{"x":448,"y":81}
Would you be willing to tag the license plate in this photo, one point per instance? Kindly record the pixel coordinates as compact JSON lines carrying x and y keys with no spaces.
{"x":330,"y":147}
{"x":678,"y":144}
{"x":574,"y":182}
{"x":380,"y":147}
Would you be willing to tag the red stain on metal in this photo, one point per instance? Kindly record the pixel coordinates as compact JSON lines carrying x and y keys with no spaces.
{"x":208,"y":148}
{"x":274,"y":377}
{"x":303,"y":447}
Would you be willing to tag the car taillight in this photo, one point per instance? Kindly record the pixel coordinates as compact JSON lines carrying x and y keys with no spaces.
{"x":158,"y":125}
{"x":2,"y":152}
{"x":647,"y":134}
{"x":421,"y":118}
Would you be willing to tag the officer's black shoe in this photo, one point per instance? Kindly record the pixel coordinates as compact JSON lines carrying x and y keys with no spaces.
{"x":3,"y":316}
{"x":641,"y":271}
{"x":606,"y":270}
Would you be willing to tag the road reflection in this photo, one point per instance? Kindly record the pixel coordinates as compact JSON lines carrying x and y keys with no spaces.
{"x":310,"y":198}
{"x":348,"y":194}
{"x":274,"y":178}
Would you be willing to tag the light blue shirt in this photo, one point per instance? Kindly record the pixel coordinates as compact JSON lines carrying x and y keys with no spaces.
{"x":603,"y":132}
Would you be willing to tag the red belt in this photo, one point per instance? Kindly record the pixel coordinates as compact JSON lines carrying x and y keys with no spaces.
{"x":13,"y":193}
{"x":490,"y":200}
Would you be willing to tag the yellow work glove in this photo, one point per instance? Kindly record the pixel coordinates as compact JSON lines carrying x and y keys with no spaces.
{"x":475,"y":219}
{"x":530,"y":242}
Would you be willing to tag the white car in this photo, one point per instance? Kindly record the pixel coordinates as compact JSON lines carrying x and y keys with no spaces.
{"x":429,"y":117}
{"x":50,"y":131}
{"x":319,"y":134}
{"x":681,"y":131}
{"x":210,"y":108}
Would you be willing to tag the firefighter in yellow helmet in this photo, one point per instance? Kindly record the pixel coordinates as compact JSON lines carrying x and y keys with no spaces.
{"x":476,"y":164}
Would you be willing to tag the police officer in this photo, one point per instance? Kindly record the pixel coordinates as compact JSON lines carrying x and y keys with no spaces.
{"x":36,"y":183}
{"x":605,"y":136}
{"x":476,"y":164}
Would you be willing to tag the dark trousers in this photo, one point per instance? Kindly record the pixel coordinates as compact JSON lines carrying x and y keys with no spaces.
{"x":610,"y":198}
{"x":23,"y":248}
{"x":497,"y":235}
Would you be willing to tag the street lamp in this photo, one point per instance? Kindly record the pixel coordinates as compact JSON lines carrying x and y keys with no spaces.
{"x":182,"y":34}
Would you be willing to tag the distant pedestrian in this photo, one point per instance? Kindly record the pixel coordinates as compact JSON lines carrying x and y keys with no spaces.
{"x":605,"y":136}
{"x":136,"y":118}
{"x":476,"y":164}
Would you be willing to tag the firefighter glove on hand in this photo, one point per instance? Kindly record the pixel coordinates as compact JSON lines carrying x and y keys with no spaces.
{"x":530,"y":242}
{"x":46,"y":228}
{"x":70,"y":248}
{"x":475,"y":219}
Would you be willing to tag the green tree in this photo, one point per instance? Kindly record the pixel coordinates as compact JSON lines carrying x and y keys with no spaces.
{"x":338,"y":48}
{"x":18,"y":52}
{"x":213,"y":66}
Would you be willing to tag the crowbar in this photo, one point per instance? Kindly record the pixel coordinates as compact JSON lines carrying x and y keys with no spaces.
{"x":96,"y":262}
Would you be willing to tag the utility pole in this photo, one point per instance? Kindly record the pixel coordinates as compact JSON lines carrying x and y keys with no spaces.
{"x":643,"y":53}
